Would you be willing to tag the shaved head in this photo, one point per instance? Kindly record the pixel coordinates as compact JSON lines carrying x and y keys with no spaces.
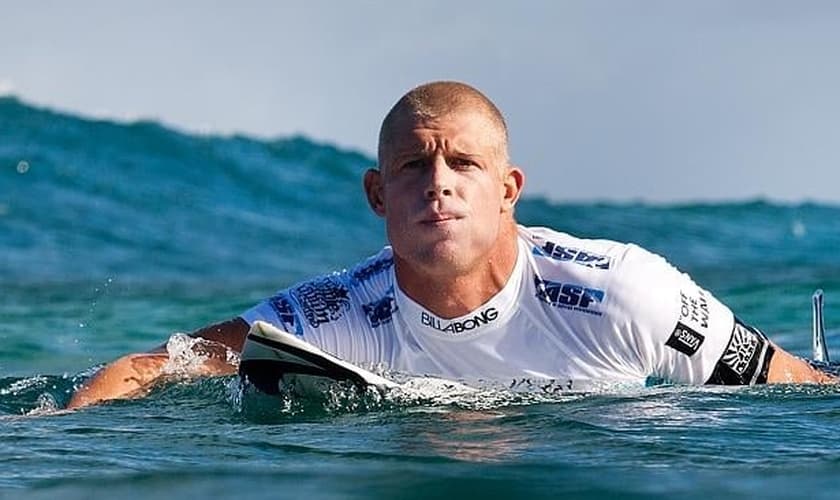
{"x":435,"y":100}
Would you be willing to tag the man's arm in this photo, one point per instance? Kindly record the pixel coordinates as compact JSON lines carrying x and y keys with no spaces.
{"x":130,"y":375}
{"x":751,"y":358}
{"x":788,"y":369}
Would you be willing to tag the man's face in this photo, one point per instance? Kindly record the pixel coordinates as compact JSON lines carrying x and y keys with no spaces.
{"x":443,"y":189}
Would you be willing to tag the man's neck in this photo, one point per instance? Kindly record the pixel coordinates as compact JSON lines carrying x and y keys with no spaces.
{"x":451,"y":295}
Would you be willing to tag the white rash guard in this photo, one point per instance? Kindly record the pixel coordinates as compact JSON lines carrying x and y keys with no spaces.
{"x":574,"y":311}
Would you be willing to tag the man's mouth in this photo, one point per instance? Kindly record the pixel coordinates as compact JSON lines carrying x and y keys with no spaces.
{"x":439,"y":219}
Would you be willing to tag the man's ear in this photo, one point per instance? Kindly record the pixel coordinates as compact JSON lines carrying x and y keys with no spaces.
{"x":512,"y":184}
{"x":373,"y":190}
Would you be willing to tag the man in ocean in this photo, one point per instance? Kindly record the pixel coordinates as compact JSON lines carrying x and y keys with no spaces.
{"x":463,"y":292}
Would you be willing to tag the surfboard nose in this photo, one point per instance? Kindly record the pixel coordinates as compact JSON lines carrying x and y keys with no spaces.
{"x":820,"y":351}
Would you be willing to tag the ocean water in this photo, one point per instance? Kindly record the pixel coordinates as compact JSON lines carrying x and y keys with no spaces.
{"x":115,"y":236}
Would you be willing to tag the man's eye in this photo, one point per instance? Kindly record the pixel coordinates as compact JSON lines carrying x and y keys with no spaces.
{"x":460,"y":163}
{"x":413,"y":164}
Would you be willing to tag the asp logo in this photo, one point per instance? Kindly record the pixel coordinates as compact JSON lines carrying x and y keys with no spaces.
{"x":285,"y":312}
{"x":372,"y":269}
{"x":484,"y":317}
{"x":570,"y":296}
{"x":567,"y":254}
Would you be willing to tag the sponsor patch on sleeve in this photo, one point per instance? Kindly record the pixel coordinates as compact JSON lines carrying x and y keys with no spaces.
{"x":685,"y":340}
{"x":322,"y":300}
{"x":746,"y":359}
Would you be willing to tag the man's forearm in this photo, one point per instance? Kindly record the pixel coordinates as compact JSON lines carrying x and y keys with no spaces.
{"x":121,"y":378}
{"x":129,"y":375}
{"x":788,"y":369}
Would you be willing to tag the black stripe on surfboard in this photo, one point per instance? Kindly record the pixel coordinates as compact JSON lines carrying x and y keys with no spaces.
{"x":281,"y":367}
{"x":265,"y":374}
{"x":330,"y":369}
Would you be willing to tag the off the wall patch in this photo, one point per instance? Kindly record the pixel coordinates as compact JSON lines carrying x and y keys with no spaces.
{"x":685,"y":340}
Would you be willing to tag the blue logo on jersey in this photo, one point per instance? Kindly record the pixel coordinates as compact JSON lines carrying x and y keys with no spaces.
{"x":286,"y":313}
{"x":372,"y":269}
{"x":382,"y":311}
{"x":567,"y":254}
{"x":322,"y":300}
{"x":569,"y":296}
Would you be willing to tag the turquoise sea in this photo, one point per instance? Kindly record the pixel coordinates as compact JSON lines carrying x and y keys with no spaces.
{"x":115,"y":236}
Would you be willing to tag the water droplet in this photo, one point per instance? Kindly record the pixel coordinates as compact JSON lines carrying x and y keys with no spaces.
{"x":82,"y":325}
{"x":23,"y":167}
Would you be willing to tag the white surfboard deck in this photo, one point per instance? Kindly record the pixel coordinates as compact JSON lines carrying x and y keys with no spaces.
{"x":271,"y":358}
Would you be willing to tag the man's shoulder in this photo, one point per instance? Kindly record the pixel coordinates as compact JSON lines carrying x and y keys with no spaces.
{"x":376,"y":266}
{"x":330,"y":297}
{"x":373,"y":271}
{"x":564,"y":247}
{"x":600,"y":261}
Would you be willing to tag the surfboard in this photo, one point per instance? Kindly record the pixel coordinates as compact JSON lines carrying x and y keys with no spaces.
{"x":272,"y":359}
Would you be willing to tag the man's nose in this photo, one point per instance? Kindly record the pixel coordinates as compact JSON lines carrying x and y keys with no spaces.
{"x":440,"y":179}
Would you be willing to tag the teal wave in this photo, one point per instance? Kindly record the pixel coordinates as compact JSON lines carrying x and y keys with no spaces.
{"x":86,"y":198}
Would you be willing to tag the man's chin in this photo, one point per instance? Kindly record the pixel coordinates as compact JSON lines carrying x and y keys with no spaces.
{"x":443,"y":257}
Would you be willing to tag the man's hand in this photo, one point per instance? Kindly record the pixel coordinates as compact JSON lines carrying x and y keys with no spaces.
{"x":788,"y":369}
